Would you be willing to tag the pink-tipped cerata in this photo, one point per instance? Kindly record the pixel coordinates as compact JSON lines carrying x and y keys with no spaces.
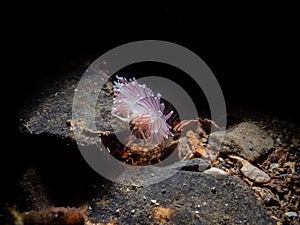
{"x":137,"y":105}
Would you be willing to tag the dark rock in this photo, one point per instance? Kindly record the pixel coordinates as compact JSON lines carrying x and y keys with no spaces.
{"x":252,"y":172}
{"x":191,"y":198}
{"x":246,"y":140}
{"x":51,"y":112}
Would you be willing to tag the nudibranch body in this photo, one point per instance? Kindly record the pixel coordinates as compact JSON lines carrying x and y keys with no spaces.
{"x":136,"y":104}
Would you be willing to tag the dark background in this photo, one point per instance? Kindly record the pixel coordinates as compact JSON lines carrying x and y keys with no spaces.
{"x":250,"y":48}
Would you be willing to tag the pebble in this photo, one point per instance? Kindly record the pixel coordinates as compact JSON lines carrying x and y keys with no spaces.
{"x":213,"y":190}
{"x":278,"y":141}
{"x":226,"y":166}
{"x":291,"y":214}
{"x":252,"y":172}
{"x":250,"y":147}
{"x":153,"y":201}
{"x":221,"y":160}
{"x":215,"y":171}
{"x":274,"y":166}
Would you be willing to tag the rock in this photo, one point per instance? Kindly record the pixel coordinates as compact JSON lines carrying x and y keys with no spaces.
{"x":291,"y":214}
{"x":278,"y":140}
{"x":215,"y":171}
{"x":246,"y":140}
{"x":190,"y":198}
{"x":51,"y":112}
{"x":252,"y":172}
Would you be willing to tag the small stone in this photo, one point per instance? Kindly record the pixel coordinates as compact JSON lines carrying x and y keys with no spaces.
{"x":132,"y":211}
{"x":291,"y":214}
{"x":163,"y":191}
{"x":118,"y":210}
{"x":250,"y":147}
{"x":252,"y":172}
{"x":226,"y":165}
{"x":213,"y":190}
{"x":153,"y":201}
{"x":197,"y":212}
{"x":215,"y":171}
{"x":274,"y":166}
{"x":279,"y":141}
{"x":221,"y":160}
